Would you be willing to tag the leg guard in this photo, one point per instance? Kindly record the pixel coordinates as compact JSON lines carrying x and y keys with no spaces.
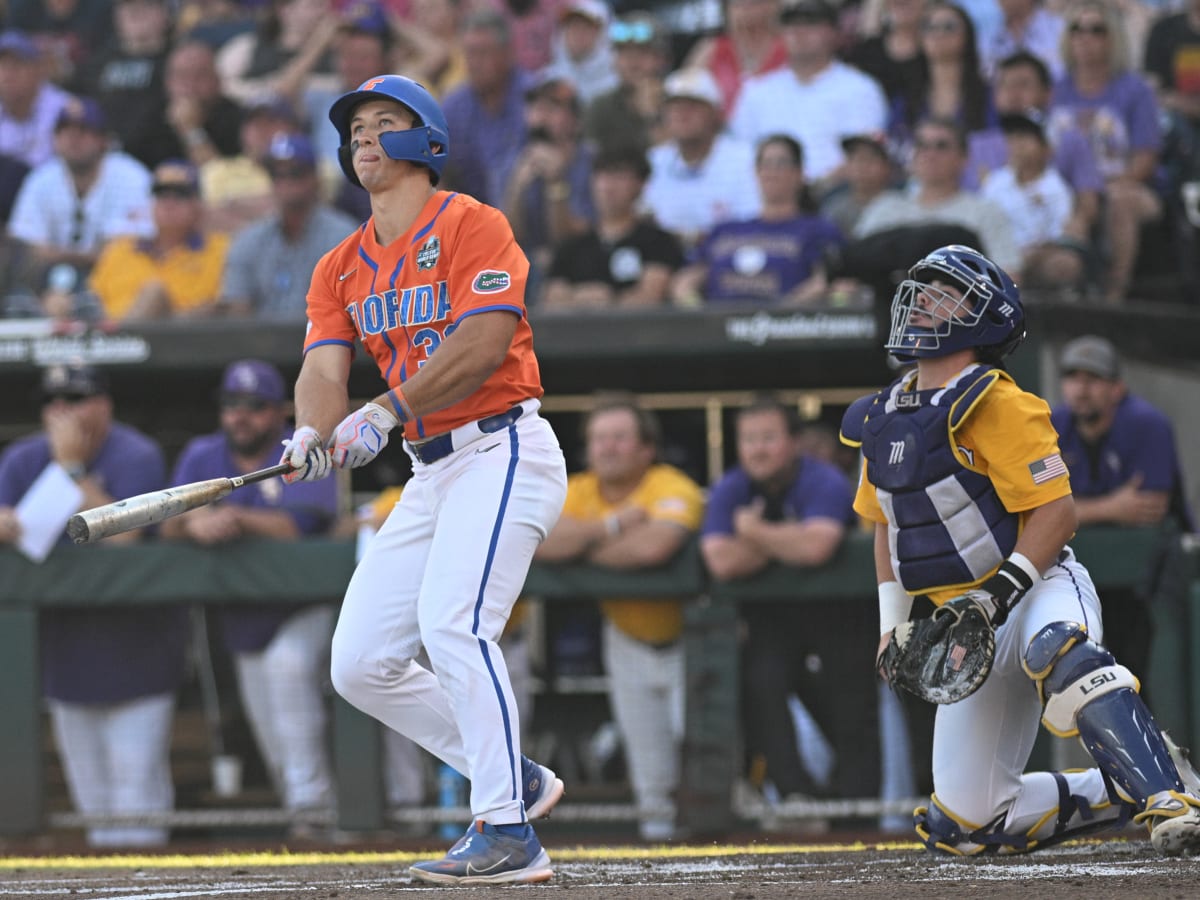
{"x":941,"y":831}
{"x":1087,"y":693}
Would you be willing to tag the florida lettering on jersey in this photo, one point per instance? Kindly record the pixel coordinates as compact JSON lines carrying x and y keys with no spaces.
{"x":402,"y":300}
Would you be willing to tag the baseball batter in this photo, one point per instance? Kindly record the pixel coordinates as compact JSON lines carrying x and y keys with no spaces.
{"x":963,"y":476}
{"x":433,"y":287}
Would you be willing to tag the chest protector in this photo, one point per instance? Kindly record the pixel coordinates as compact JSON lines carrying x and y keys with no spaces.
{"x":947,"y":527}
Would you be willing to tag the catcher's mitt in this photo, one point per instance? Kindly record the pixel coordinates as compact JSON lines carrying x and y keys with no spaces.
{"x":944,"y":658}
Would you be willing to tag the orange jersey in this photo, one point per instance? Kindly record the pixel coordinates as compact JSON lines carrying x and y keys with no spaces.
{"x":459,"y":258}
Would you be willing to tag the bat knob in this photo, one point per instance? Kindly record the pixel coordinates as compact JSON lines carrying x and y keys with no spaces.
{"x":77,"y":529}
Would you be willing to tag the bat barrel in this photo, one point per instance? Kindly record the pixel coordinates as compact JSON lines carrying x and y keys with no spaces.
{"x":145,"y":509}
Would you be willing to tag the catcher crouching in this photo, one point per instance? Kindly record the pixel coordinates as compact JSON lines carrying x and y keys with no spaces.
{"x":973,"y":508}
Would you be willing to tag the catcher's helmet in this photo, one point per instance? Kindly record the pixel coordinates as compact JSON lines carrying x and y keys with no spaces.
{"x":413,"y":144}
{"x":987,"y":317}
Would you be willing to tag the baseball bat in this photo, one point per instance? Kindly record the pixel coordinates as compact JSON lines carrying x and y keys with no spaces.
{"x":145,"y":509}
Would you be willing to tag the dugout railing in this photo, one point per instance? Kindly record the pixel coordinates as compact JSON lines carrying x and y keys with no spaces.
{"x":317,"y":571}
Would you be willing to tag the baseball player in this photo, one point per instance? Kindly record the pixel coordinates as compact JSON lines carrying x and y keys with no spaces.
{"x":964,"y":480}
{"x":433,"y":286}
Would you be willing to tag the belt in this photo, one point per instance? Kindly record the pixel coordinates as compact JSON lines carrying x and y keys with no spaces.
{"x":442,"y":445}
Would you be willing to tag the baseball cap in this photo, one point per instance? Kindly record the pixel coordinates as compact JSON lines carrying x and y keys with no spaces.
{"x":876,"y":140}
{"x":810,"y":11}
{"x":19,"y":44}
{"x":592,"y":10}
{"x":76,"y":380}
{"x":253,"y":378}
{"x":84,"y":112}
{"x":1028,"y":121}
{"x":636,"y":28}
{"x":366,"y":17}
{"x":1092,"y":354}
{"x":275,"y":107}
{"x":176,"y":177}
{"x":550,"y":82}
{"x":692,"y":84}
{"x":290,"y":150}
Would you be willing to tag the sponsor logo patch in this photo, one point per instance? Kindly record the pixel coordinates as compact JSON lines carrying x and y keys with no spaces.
{"x":491,"y":281}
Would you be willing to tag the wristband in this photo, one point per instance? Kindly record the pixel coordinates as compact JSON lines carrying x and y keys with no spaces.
{"x":1015,"y":577}
{"x":400,"y":404}
{"x":895,"y":603}
{"x":612,"y":525}
{"x":76,"y":471}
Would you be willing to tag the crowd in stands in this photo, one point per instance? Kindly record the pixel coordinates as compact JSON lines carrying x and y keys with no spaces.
{"x":1061,"y":135}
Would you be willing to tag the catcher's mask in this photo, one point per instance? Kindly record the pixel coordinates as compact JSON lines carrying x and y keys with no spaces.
{"x":416,"y":144}
{"x":929,"y":321}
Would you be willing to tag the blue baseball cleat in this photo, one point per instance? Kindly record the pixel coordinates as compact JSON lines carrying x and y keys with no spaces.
{"x":542,"y":789}
{"x":486,"y":856}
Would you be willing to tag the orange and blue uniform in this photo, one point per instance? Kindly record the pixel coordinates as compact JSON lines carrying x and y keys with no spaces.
{"x":402,"y":300}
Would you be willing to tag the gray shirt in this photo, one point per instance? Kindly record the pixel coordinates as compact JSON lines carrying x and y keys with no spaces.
{"x":271,"y":273}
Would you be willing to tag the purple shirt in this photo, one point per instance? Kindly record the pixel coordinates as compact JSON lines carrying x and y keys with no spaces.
{"x":1123,"y":118}
{"x":756,"y":260}
{"x":1073,"y":158}
{"x":116,"y":653}
{"x":1141,"y":442}
{"x":484,"y":145}
{"x":819,"y":490}
{"x":247,"y":628}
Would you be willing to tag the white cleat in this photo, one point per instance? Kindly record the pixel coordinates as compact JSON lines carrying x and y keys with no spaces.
{"x":1174,"y":823}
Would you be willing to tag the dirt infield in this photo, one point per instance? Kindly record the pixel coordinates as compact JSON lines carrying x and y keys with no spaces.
{"x":1100,"y":870}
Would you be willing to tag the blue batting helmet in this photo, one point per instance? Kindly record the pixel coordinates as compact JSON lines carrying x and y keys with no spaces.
{"x":414,"y":144}
{"x":929,"y":322}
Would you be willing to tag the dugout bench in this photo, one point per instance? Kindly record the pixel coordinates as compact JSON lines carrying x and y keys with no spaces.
{"x":316,"y":571}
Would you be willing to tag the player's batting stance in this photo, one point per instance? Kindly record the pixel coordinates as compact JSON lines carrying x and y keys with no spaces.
{"x":973,"y":508}
{"x":433,"y":286}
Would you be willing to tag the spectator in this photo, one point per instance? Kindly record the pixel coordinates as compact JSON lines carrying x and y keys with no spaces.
{"x":283,"y":55}
{"x":237,"y":190}
{"x":362,"y":49}
{"x":936,"y":196}
{"x":698,"y":176}
{"x":175,"y":273}
{"x":429,"y":50}
{"x":1022,"y":82}
{"x":890,"y":49}
{"x":280,"y":653}
{"x":778,"y":506}
{"x":487,"y":114}
{"x":1121,"y":454}
{"x":67,"y":32}
{"x":630,"y":114}
{"x":270,"y":261}
{"x":531,"y":25}
{"x":624,"y":260}
{"x":837,"y":99}
{"x":748,"y":44}
{"x":628,"y":512}
{"x":1029,"y":26}
{"x":83,"y":196}
{"x":204,"y":123}
{"x":869,"y":171}
{"x":1038,"y":202}
{"x":212,"y":22}
{"x":776,"y":258}
{"x":581,"y":52}
{"x":128,"y":78}
{"x":109,"y":674}
{"x":547,"y":198}
{"x":1115,"y":106}
{"x":953,"y":86}
{"x":29,"y":102}
{"x":12,"y":175}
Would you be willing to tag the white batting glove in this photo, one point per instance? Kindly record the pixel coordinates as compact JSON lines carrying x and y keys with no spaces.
{"x":361,"y":435}
{"x":307,"y":454}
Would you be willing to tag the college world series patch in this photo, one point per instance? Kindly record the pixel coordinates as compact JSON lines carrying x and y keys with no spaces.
{"x":427,"y":256}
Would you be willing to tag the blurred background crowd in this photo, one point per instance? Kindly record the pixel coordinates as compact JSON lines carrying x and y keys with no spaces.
{"x":173,"y":158}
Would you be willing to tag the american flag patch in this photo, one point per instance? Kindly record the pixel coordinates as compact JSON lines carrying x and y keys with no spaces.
{"x":1047,"y":467}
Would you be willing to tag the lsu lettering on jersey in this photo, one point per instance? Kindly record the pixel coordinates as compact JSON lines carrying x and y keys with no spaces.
{"x":401,"y":301}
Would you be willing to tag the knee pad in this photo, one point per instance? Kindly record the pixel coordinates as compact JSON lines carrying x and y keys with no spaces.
{"x":1071,"y":671}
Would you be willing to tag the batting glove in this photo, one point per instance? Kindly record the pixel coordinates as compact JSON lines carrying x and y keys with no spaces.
{"x":307,"y":454}
{"x":361,"y":435}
